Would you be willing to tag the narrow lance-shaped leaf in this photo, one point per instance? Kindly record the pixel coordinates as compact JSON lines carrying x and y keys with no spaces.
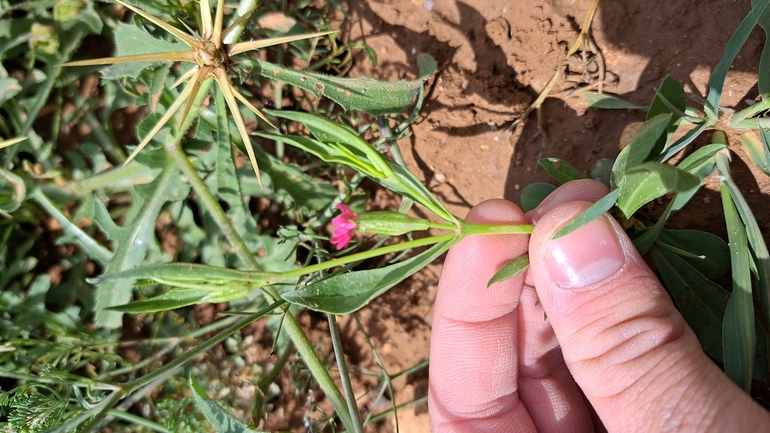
{"x":510,"y":270}
{"x":717,"y":80}
{"x":595,"y":211}
{"x":348,"y":292}
{"x":133,"y":239}
{"x":364,"y":94}
{"x":738,"y":335}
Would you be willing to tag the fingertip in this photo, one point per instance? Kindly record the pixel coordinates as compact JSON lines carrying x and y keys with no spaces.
{"x":496,"y":210}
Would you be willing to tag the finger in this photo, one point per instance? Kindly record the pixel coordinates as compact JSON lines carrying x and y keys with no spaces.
{"x":545,"y":385}
{"x":628,"y":348}
{"x":473,"y":366}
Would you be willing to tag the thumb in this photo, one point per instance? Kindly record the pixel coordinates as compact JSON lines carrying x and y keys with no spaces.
{"x":624,"y":342}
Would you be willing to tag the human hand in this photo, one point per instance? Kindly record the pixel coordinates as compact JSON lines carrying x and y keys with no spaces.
{"x":614,"y":353}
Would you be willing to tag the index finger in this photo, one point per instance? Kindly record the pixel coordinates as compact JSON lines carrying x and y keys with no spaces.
{"x":473,"y":360}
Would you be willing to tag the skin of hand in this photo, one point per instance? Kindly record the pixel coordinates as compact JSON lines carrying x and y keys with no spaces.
{"x":613,"y":354}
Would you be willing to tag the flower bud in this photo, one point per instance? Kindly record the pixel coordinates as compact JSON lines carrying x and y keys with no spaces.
{"x":390,"y":223}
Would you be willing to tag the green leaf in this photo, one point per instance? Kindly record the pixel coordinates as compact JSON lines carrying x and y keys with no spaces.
{"x":221,"y":420}
{"x":131,"y":40}
{"x":595,"y":211}
{"x":717,"y":80}
{"x":609,"y":102}
{"x":186,"y":272}
{"x":308,"y":193}
{"x":601,"y":171}
{"x":510,"y":269}
{"x":639,"y":149}
{"x":228,"y":185}
{"x":738,"y":334}
{"x":169,"y":301}
{"x":349,"y":292}
{"x":134,"y":238}
{"x":669,"y":95}
{"x":533,"y":194}
{"x":680,"y":144}
{"x":649,"y":181}
{"x":715,"y":252}
{"x":364,"y":94}
{"x":753,"y":232}
{"x":700,"y":163}
{"x":13,"y":191}
{"x":757,"y":151}
{"x":561,"y":171}
{"x":763,"y":85}
{"x":336,"y":143}
{"x":701,"y":301}
{"x":9,"y":87}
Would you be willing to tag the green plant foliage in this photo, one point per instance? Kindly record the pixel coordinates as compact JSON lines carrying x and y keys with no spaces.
{"x":510,"y":270}
{"x":533,"y":194}
{"x":609,"y":102}
{"x":134,"y":238}
{"x":757,"y":150}
{"x":221,"y":420}
{"x":739,"y":37}
{"x":649,"y":181}
{"x":669,"y":99}
{"x":561,"y":171}
{"x":638,"y":150}
{"x":364,"y":94}
{"x":131,"y":40}
{"x":348,"y":292}
{"x":593,"y":212}
{"x":738,"y":335}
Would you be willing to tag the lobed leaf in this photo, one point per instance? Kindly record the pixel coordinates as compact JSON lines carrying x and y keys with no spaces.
{"x":669,"y":99}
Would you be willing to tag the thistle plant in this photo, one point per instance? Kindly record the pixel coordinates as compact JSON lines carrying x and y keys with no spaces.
{"x":212,"y":54}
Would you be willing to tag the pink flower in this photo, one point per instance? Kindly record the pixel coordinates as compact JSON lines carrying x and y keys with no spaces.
{"x":344,"y":227}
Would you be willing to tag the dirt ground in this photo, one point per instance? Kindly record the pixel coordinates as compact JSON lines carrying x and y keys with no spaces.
{"x":494,"y":56}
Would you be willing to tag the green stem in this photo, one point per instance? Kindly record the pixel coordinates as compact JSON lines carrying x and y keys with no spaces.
{"x":244,"y":7}
{"x":203,"y":347}
{"x":305,"y":349}
{"x":93,"y":248}
{"x":366,"y":255}
{"x":334,"y":332}
{"x":211,"y":204}
{"x":137,"y":420}
{"x":468,"y":229}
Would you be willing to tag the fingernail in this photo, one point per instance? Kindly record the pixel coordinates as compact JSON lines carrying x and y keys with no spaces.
{"x":586,"y":256}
